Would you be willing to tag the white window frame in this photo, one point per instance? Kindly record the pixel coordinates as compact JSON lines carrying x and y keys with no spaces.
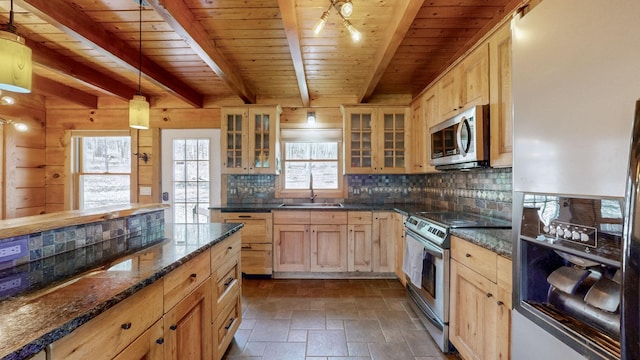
{"x":75,"y":193}
{"x":311,"y":136}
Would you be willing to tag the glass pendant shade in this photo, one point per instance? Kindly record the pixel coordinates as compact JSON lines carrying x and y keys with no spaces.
{"x":139,"y":112}
{"x":15,"y":63}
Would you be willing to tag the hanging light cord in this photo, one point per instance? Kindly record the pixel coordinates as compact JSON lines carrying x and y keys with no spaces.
{"x":140,"y":54}
{"x":10,"y":27}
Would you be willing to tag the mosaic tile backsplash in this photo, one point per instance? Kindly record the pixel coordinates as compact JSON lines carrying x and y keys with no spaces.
{"x":56,"y":254}
{"x":481,"y":191}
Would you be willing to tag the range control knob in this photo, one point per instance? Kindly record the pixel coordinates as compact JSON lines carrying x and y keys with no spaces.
{"x":546,"y":228}
{"x":575,"y":235}
{"x":559,"y":231}
{"x":584,"y":237}
{"x":567,"y":234}
{"x":552,"y":230}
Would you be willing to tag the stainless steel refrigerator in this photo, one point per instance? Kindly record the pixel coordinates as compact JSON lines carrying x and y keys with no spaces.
{"x":576,"y":78}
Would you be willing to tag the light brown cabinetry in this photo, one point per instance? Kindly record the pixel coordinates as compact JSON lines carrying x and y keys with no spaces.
{"x":376,"y":139}
{"x":424,"y":114}
{"x":148,"y":346}
{"x":187,"y":326}
{"x":249,"y":141}
{"x":466,"y":84}
{"x":398,"y":244}
{"x":226,"y":281}
{"x":480,"y":305}
{"x":500,"y":98}
{"x":359,"y":241}
{"x":257,"y":240}
{"x":383,"y":235}
{"x":113,"y":330}
{"x":291,"y":240}
{"x":328,"y":241}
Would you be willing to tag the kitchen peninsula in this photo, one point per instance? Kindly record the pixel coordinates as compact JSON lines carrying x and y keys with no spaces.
{"x":117,"y":276}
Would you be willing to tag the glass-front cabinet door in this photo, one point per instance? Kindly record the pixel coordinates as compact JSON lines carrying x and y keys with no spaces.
{"x":359,"y":136}
{"x":393,"y":149}
{"x":250,"y":140}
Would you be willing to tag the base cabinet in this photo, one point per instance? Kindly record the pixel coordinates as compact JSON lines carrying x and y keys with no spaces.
{"x":479,"y":325}
{"x":359,"y":241}
{"x":329,"y":248}
{"x":383,"y":234}
{"x":149,"y":346}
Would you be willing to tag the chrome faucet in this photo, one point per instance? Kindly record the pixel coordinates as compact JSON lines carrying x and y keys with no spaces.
{"x":313,"y":195}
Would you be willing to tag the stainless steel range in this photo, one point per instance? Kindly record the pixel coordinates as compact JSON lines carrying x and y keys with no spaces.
{"x":426,"y":265}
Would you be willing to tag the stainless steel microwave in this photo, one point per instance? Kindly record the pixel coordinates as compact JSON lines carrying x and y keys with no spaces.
{"x":461,"y":142}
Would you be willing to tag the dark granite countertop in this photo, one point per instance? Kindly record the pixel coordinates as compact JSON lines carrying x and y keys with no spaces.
{"x":496,"y":240}
{"x":34,"y":319}
{"x":403,"y":208}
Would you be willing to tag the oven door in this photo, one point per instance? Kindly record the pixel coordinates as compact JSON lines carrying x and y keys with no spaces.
{"x":433,"y":279}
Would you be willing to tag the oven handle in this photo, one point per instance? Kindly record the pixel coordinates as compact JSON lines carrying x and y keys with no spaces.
{"x":428,"y":247}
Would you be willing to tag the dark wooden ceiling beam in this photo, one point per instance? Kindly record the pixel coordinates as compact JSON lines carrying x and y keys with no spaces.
{"x":402,"y":20}
{"x":290,"y":19}
{"x":76,"y":24}
{"x":60,"y":64}
{"x":183,"y":22}
{"x":49,"y":87}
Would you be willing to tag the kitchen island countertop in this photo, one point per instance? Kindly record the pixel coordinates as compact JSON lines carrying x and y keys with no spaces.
{"x":32,"y":320}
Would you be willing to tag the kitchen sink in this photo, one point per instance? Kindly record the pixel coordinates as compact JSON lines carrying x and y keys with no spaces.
{"x":312,"y":205}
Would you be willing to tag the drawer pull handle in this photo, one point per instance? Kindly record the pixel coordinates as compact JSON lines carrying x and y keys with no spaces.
{"x":229,"y":282}
{"x":467,"y":255}
{"x":193,"y":276}
{"x":230,"y":323}
{"x":245,"y":216}
{"x":247,"y":247}
{"x":500,"y":303}
{"x":160,"y":341}
{"x":230,"y":248}
{"x":126,"y":326}
{"x":489,"y":295}
{"x":173,"y":327}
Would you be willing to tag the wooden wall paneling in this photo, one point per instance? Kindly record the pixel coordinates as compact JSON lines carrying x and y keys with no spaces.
{"x":2,"y":174}
{"x":30,"y":177}
{"x":156,"y":167}
{"x":326,"y":117}
{"x":134,"y":191}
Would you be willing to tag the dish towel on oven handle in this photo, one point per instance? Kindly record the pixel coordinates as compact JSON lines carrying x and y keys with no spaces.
{"x":412,"y":261}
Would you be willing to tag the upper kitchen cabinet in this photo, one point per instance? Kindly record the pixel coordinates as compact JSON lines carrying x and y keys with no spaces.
{"x":500,"y":97}
{"x":424,"y":114}
{"x":249,"y":140}
{"x":376,"y":139}
{"x":466,"y":84}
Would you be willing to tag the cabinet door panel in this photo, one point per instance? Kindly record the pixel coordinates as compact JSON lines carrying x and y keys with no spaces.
{"x":359,"y":248}
{"x":500,"y":99}
{"x":383,"y":242}
{"x":291,"y":243}
{"x":234,"y":141}
{"x":257,"y":259}
{"x":475,"y":77}
{"x":329,"y":247}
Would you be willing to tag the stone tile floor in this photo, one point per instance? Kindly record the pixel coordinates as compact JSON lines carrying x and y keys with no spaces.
{"x":329,"y":320}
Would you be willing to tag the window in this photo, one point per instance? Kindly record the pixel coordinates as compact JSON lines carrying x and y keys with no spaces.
{"x":101,"y":169}
{"x":311,"y":161}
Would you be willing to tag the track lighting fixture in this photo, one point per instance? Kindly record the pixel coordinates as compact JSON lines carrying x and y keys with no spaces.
{"x":344,"y":9}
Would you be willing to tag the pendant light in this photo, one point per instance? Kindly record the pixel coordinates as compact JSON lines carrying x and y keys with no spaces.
{"x":138,"y":106}
{"x":15,"y":59}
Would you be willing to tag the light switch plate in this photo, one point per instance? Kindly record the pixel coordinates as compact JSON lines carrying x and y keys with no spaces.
{"x":145,"y":190}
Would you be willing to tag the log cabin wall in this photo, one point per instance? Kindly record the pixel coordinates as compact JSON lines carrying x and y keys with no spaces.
{"x":22,"y":171}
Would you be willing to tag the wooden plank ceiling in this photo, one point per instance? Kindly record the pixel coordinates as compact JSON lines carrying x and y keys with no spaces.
{"x":248,"y":51}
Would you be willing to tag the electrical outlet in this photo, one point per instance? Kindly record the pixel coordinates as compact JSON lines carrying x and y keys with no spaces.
{"x":11,"y":284}
{"x":13,"y":250}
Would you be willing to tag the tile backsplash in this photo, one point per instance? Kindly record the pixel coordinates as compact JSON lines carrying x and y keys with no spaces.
{"x":481,"y":191}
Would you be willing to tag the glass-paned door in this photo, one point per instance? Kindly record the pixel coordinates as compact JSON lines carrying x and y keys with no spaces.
{"x":394,"y":147}
{"x":190,"y":174}
{"x":361,"y":140}
{"x":261,"y":140}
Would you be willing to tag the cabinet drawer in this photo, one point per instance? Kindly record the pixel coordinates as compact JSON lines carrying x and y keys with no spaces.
{"x":181,"y":281}
{"x":228,"y":248}
{"x":146,"y":346}
{"x":227,"y":278}
{"x":359,"y":217}
{"x":225,"y":326}
{"x":479,"y":259}
{"x":257,"y":259}
{"x":329,"y":217}
{"x":257,"y":226}
{"x":302,"y":217}
{"x":113,"y":330}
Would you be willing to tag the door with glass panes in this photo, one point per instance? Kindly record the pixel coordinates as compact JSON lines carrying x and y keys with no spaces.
{"x":190,"y":174}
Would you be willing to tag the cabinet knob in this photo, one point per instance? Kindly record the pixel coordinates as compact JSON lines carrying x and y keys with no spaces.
{"x":173,"y":327}
{"x":467,"y":255}
{"x":230,"y":248}
{"x":160,"y":341}
{"x":193,"y":276}
{"x":489,"y":295}
{"x":126,"y":326}
{"x":500,"y":303}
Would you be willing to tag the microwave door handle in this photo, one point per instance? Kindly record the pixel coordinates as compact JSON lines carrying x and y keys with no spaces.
{"x":462,"y":147}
